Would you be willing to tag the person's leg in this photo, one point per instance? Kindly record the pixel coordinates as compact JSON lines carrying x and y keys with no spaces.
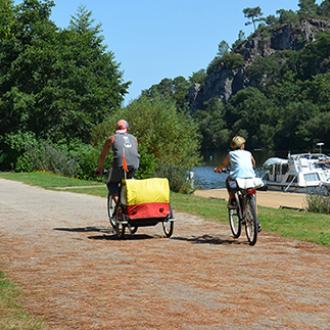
{"x":114,"y":182}
{"x":231,"y":192}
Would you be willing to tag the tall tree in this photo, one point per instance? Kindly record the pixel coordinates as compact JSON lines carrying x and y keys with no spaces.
{"x":223,"y":48}
{"x":6,"y":18}
{"x":324,"y":8}
{"x":254,"y":15}
{"x":307,"y":7}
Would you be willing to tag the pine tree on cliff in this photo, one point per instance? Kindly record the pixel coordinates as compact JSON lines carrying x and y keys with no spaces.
{"x":254,"y":15}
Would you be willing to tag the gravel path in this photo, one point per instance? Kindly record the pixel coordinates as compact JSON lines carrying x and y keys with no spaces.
{"x":76,"y":275}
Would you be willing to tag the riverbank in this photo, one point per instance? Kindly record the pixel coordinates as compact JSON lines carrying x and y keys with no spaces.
{"x":274,"y":199}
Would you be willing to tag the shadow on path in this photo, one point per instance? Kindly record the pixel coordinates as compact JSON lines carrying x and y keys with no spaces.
{"x":208,"y":239}
{"x":86,"y":229}
{"x":114,"y":237}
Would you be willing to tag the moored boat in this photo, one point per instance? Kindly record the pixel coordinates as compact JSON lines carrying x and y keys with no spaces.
{"x":299,"y":172}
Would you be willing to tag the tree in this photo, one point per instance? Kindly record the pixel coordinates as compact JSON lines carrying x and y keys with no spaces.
{"x":324,"y":8}
{"x":254,"y":15}
{"x":223,"y":48}
{"x":6,"y":18}
{"x":198,"y":77}
{"x":307,"y":8}
{"x":250,"y":110}
{"x":212,"y":125}
{"x":240,"y":38}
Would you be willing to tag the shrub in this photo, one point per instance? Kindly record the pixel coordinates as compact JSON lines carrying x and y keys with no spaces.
{"x":14,"y":145}
{"x":165,"y":135}
{"x":319,"y":204}
{"x":85,"y":155}
{"x":178,"y":178}
{"x":46,"y":157}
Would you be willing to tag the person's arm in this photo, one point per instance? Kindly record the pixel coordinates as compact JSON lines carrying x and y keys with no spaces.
{"x":223,"y":165}
{"x":106,"y":147}
{"x":253,"y":161}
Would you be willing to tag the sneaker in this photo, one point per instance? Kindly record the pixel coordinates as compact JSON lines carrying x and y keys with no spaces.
{"x":259,"y":228}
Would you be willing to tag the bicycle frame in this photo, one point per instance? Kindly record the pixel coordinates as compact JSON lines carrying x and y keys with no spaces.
{"x":241,"y":196}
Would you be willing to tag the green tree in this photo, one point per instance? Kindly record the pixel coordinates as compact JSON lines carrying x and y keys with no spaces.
{"x":223,"y":48}
{"x":250,"y":110}
{"x":240,"y":38}
{"x":254,"y":15}
{"x":324,"y":8}
{"x":307,"y":8}
{"x":198,"y":77}
{"x":212,"y":125}
{"x":7,"y":19}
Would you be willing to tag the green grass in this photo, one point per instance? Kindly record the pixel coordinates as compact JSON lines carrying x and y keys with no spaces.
{"x":304,"y":226}
{"x":12,"y":315}
{"x":46,"y":180}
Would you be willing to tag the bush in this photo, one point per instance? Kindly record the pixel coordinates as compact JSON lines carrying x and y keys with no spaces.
{"x":86,"y":157}
{"x":15,"y":144}
{"x":178,"y":178}
{"x":46,"y":157}
{"x":318,"y":204}
{"x":165,"y":136}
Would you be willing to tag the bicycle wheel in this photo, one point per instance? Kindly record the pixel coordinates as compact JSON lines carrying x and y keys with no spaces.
{"x":251,"y":223}
{"x":111,"y":210}
{"x":235,"y":221}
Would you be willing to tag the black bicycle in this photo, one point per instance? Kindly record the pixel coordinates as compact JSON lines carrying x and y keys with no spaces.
{"x":245,"y":210}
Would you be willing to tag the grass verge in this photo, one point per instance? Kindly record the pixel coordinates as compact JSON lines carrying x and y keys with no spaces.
{"x":306,"y":226}
{"x":12,"y":315}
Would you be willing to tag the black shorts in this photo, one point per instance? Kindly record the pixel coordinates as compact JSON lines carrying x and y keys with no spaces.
{"x":231,"y":184}
{"x":116,"y":175}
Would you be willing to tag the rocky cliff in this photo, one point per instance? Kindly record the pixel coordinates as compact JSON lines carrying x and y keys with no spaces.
{"x":223,"y":81}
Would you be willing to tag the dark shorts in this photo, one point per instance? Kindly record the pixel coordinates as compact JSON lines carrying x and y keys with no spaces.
{"x":116,"y":175}
{"x":231,"y":184}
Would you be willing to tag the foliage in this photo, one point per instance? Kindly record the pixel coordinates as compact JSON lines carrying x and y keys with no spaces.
{"x":166,"y":136}
{"x":223,"y":48}
{"x":55,"y":83}
{"x":319,"y":204}
{"x":47,"y":158}
{"x":212,"y":125}
{"x":175,"y":89}
{"x":198,"y":77}
{"x":240,"y":38}
{"x":229,"y":61}
{"x":254,"y":15}
{"x":307,"y":8}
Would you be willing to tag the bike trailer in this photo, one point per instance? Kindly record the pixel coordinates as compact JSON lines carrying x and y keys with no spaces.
{"x":146,"y":199}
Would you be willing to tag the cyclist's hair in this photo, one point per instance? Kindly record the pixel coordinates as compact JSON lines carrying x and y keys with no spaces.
{"x":237,"y":141}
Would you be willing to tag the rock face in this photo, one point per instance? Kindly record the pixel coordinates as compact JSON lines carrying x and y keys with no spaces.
{"x":224,"y":82}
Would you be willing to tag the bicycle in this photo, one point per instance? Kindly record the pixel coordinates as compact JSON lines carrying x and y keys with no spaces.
{"x":245,"y":212}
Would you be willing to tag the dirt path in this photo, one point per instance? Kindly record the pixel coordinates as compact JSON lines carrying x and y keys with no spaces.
{"x":77,"y":275}
{"x":275,"y":199}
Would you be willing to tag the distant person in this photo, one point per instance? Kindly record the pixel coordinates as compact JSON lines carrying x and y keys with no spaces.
{"x":240,"y":163}
{"x":125,"y":156}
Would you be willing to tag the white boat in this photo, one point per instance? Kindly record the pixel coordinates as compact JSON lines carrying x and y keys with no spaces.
{"x":299,"y":172}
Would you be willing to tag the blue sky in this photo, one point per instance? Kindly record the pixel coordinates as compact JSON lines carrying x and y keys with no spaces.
{"x":156,"y":39}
